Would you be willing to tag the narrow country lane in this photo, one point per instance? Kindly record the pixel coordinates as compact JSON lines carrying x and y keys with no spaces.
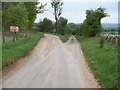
{"x":53,"y":64}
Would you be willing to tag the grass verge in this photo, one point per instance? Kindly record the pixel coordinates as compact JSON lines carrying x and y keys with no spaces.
{"x":102,"y":61}
{"x":63,"y":38}
{"x":11,"y":51}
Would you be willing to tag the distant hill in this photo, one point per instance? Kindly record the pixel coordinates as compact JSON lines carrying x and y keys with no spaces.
{"x":109,"y":25}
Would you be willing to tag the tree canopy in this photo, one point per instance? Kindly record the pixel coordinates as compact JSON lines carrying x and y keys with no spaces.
{"x":46,"y":25}
{"x":15,"y":15}
{"x":62,"y":22}
{"x":21,"y":13}
{"x":31,"y":9}
{"x":92,"y":24}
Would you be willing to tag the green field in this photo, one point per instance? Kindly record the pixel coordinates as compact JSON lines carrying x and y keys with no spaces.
{"x":111,"y":32}
{"x":11,"y":51}
{"x":102,"y":61}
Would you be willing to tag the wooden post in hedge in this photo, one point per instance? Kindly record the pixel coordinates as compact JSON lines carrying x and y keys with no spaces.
{"x":3,"y":34}
{"x":14,"y":37}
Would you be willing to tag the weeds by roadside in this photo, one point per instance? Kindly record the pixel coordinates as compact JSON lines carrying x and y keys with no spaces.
{"x":11,"y":51}
{"x":103,"y":61}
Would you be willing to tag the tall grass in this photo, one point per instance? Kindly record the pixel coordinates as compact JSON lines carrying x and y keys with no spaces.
{"x":103,"y":61}
{"x":11,"y":51}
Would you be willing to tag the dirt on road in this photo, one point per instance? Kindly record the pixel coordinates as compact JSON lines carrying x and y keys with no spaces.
{"x":52,"y":64}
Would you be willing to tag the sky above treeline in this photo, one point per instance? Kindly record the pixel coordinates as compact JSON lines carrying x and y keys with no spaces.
{"x":74,"y":10}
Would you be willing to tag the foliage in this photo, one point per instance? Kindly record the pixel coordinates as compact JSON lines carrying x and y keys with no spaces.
{"x":62,"y":22}
{"x":21,"y":14}
{"x":92,"y":24}
{"x":32,"y":10}
{"x":57,"y":6}
{"x":5,"y":5}
{"x":13,"y":51}
{"x":40,"y":8}
{"x":72,"y":28}
{"x":15,"y":15}
{"x":46,"y":25}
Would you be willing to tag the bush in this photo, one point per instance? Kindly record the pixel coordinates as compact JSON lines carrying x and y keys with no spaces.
{"x":46,"y":25}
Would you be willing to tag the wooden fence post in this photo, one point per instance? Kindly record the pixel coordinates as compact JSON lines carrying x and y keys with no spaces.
{"x":3,"y":34}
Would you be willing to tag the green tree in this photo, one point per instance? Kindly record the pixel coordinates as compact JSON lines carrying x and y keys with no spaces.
{"x":15,"y":15}
{"x":92,"y":24}
{"x":46,"y":25}
{"x":57,"y":6}
{"x":72,"y":28}
{"x":5,"y":5}
{"x":20,"y":14}
{"x":32,"y":10}
{"x":62,"y":22}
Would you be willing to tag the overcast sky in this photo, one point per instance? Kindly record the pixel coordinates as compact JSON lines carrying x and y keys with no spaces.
{"x":74,"y":10}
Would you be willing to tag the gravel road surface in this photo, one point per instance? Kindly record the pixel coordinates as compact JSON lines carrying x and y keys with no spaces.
{"x":53,"y":64}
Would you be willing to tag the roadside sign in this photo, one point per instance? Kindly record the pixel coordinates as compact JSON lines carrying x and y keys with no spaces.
{"x":14,"y":29}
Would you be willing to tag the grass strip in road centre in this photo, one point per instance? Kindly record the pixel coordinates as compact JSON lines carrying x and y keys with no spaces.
{"x":102,"y":61}
{"x":63,"y":38}
{"x":11,"y":51}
